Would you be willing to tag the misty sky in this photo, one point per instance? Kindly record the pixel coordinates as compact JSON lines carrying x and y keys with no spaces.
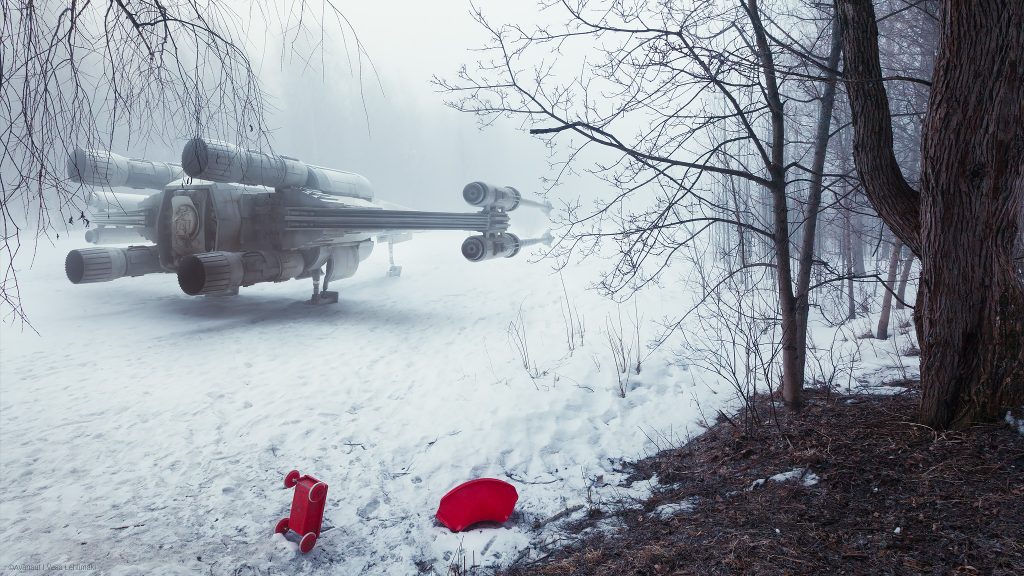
{"x":414,"y":149}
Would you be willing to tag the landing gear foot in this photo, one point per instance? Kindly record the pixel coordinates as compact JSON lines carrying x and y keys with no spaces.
{"x":325,"y":297}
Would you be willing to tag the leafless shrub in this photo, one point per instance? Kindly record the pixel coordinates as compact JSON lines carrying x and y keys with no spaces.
{"x":625,"y":349}
{"x":620,"y":354}
{"x":904,"y":322}
{"x":575,"y":329}
{"x":637,"y":321}
{"x":897,"y":357}
{"x":458,"y":563}
{"x":517,"y":336}
{"x":736,"y":336}
{"x":834,"y":367}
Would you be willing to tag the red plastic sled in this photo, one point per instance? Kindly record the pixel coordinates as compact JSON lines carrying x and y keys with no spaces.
{"x":480,"y":500}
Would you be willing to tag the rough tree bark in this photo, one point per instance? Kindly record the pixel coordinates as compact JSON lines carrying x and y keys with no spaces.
{"x":964,"y":222}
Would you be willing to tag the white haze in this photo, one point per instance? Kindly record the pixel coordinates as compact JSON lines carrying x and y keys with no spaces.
{"x":378,"y":113}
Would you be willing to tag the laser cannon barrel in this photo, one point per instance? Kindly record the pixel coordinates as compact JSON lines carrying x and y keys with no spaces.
{"x":114,"y":235}
{"x":116,"y":201}
{"x":102,"y":168}
{"x":218,"y":161}
{"x":88,"y":265}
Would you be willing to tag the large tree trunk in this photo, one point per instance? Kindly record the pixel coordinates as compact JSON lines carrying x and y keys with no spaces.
{"x":964,"y":223}
{"x":972,"y":190}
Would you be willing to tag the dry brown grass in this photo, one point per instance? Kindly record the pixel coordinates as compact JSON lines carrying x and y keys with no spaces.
{"x":957,"y":499}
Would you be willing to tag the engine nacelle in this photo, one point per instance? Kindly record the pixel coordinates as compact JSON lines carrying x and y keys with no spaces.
{"x":102,"y":168}
{"x":225,"y":272}
{"x":484,"y":195}
{"x":88,"y":265}
{"x":479,"y":248}
{"x":218,"y":161}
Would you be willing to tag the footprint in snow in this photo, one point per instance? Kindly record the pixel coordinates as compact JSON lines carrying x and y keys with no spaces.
{"x":370,"y":507}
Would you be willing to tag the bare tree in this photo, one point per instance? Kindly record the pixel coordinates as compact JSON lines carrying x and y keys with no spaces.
{"x":964,"y":221}
{"x":901,"y":291}
{"x":680,"y":97}
{"x":882,"y":333}
{"x":86,"y":72}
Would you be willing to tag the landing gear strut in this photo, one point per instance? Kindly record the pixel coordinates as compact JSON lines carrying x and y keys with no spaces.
{"x":324,"y":296}
{"x":393,"y":271}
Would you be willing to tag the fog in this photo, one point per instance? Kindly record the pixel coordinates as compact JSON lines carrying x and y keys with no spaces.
{"x":378,"y":114}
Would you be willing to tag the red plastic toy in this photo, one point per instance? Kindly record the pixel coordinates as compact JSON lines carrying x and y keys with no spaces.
{"x":307,"y":509}
{"x":475,"y":501}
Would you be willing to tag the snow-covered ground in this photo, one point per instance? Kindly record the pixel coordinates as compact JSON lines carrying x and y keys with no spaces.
{"x":143,"y":431}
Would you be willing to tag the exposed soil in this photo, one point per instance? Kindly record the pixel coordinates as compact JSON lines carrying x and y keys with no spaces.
{"x":892,"y":497}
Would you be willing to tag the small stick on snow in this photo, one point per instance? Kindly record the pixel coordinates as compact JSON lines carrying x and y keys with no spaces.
{"x":568,"y":511}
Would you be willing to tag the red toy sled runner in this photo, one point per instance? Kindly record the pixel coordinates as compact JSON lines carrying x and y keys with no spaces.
{"x":307,"y":509}
{"x":483,"y":499}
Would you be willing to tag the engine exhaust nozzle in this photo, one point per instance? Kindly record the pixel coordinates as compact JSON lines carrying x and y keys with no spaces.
{"x":210,"y":273}
{"x":480,"y":248}
{"x":484,"y":195}
{"x":89,"y":265}
{"x":225,"y":272}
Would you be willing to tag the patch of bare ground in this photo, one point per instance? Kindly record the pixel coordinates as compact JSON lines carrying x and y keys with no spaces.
{"x":892,"y":497}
